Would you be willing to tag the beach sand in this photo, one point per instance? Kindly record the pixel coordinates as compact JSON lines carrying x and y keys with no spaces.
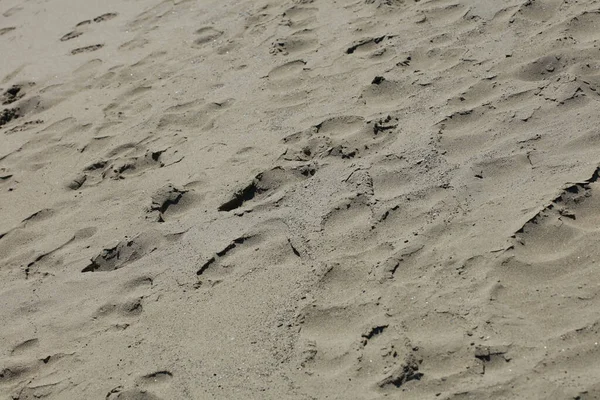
{"x":299,"y":199}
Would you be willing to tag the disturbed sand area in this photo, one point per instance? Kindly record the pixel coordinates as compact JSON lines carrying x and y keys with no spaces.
{"x":300,"y":199}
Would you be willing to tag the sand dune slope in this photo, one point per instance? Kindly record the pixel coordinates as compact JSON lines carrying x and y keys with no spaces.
{"x":299,"y":199}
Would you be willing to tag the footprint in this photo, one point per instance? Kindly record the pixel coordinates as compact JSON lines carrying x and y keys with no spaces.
{"x":286,"y":70}
{"x":493,"y":358}
{"x":132,"y":394}
{"x":24,"y":346}
{"x":554,"y":232}
{"x":83,"y":27}
{"x":128,"y":308}
{"x":384,"y":92}
{"x":404,"y":373}
{"x":299,"y":42}
{"x":205,"y":35}
{"x":24,"y":126}
{"x":71,"y":35}
{"x":14,"y":93}
{"x":334,"y":335}
{"x":542,"y":69}
{"x":8,"y":114}
{"x":49,"y":253}
{"x":78,"y":31}
{"x":351,"y":218}
{"x":298,"y":16}
{"x":133,"y":44}
{"x":582,"y":28}
{"x":386,"y":3}
{"x":12,"y":11}
{"x":105,"y":17}
{"x":124,"y":252}
{"x":87,"y":49}
{"x":13,"y":372}
{"x":537,"y":11}
{"x":194,"y":114}
{"x":155,"y":378}
{"x":447,"y":15}
{"x":270,"y":246}
{"x":122,"y":162}
{"x":552,"y":263}
{"x":164,"y":198}
{"x":4,"y":31}
{"x":125,"y":304}
{"x":265,"y":184}
{"x":48,"y":261}
{"x":342,"y":137}
{"x":366,"y":45}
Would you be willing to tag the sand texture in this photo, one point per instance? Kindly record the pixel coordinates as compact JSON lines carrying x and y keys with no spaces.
{"x":299,"y":199}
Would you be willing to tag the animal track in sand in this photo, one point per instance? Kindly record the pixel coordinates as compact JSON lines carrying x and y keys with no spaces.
{"x":492,"y":358}
{"x":555,"y":230}
{"x":455,"y":15}
{"x":15,"y":92}
{"x":7,"y":115}
{"x":287,"y":70}
{"x":299,"y":17}
{"x":552,"y":263}
{"x":124,"y":161}
{"x":271,"y":248}
{"x":302,"y":41}
{"x":23,"y":368}
{"x":288,"y":82}
{"x":404,"y":373}
{"x":4,"y":31}
{"x":127,"y":308}
{"x":333,"y":342}
{"x":344,"y":137}
{"x":165,"y":198}
{"x":84,"y":26}
{"x":155,"y":378}
{"x":266,"y":183}
{"x":25,"y":346}
{"x":386,"y":3}
{"x":47,"y":258}
{"x":126,"y":251}
{"x":116,"y":256}
{"x":383,"y":92}
{"x":205,"y":35}
{"x":71,"y":35}
{"x":12,"y":11}
{"x":125,"y":304}
{"x":12,"y":94}
{"x":194,"y":114}
{"x":366,"y":45}
{"x":543,"y":68}
{"x":132,"y":394}
{"x":222,"y":253}
{"x":87,"y":49}
{"x":105,"y":17}
{"x":350,"y":219}
{"x":535,"y":11}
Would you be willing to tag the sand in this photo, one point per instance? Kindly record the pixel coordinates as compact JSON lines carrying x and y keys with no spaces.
{"x":299,"y":199}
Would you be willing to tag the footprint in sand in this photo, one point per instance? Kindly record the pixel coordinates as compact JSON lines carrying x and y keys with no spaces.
{"x":87,"y":49}
{"x":84,"y":26}
{"x":4,"y":31}
{"x":206,"y":35}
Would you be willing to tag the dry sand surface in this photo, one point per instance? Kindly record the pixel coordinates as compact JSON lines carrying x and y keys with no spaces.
{"x":299,"y":199}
